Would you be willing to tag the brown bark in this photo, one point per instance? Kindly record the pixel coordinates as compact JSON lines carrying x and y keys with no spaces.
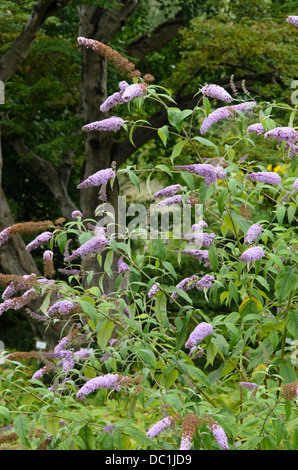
{"x":145,"y":44}
{"x":10,"y":62}
{"x":46,"y":172}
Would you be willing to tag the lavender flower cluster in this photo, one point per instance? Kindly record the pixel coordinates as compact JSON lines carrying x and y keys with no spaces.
{"x":153,"y":289}
{"x":177,"y":199}
{"x":112,"y":123}
{"x":220,"y":436}
{"x":252,"y":254}
{"x":253,"y":233}
{"x":91,"y":247}
{"x":108,"y":381}
{"x":168,"y":191}
{"x":160,"y":426}
{"x":217,"y":92}
{"x":39,"y":240}
{"x":211,"y":173}
{"x":268,"y":177}
{"x":249,"y":385}
{"x":198,"y":334}
{"x":100,"y":178}
{"x":226,"y":112}
{"x":127,"y":93}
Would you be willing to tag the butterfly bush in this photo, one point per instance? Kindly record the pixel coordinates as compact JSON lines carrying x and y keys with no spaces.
{"x":217,"y":321}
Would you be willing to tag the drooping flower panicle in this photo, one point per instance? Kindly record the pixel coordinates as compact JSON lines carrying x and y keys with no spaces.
{"x":39,"y":240}
{"x":217,"y":92}
{"x":253,"y":233}
{"x":160,"y":426}
{"x":268,"y":177}
{"x":226,"y":112}
{"x":252,"y":254}
{"x":112,"y":123}
{"x":293,"y":20}
{"x":202,"y":330}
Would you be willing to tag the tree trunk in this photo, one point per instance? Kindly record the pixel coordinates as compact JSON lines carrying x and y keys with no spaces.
{"x":101,"y":25}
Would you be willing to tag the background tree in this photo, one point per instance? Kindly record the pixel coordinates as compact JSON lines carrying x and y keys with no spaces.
{"x":53,"y":87}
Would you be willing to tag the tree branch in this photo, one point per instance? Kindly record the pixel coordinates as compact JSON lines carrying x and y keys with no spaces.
{"x":13,"y":58}
{"x":45,"y":171}
{"x":160,"y":36}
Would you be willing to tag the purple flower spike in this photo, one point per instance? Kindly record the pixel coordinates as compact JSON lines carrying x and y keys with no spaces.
{"x":268,"y":177}
{"x":185,"y":443}
{"x":76,"y":214}
{"x":287,"y":134}
{"x":109,"y":381}
{"x":293,"y":20}
{"x":160,"y":426}
{"x":122,"y":266}
{"x":257,"y":128}
{"x":42,"y":238}
{"x":295,"y":185}
{"x":168,"y":191}
{"x":253,"y":233}
{"x":97,"y":179}
{"x":249,"y":385}
{"x":132,"y":91}
{"x":220,"y":436}
{"x":111,"y":124}
{"x":199,"y":333}
{"x":152,"y":291}
{"x":217,"y":92}
{"x":252,"y":254}
{"x":205,"y":283}
{"x":226,"y":112}
{"x":173,"y":200}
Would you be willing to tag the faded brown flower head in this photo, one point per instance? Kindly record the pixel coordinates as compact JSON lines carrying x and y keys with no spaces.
{"x":121,"y":63}
{"x":30,"y":227}
{"x":245,"y":211}
{"x":189,"y":425}
{"x":290,"y":390}
{"x":7,"y":279}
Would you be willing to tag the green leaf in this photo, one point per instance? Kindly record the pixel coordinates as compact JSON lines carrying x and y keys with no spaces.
{"x":89,"y":309}
{"x":87,"y":437}
{"x":104,"y":333}
{"x":52,"y":425}
{"x":108,"y":262}
{"x":250,"y":306}
{"x":177,"y":149}
{"x":170,"y":268}
{"x":189,"y":179}
{"x":134,"y":179}
{"x":213,"y":257}
{"x":207,"y":142}
{"x":163,"y":133}
{"x":148,"y":357}
{"x":164,"y":168}
{"x":285,"y":282}
{"x":21,"y":427}
{"x":197,"y":375}
{"x":292,"y":322}
{"x":5,"y":412}
{"x":287,"y":372}
{"x":176,"y":117}
{"x":221,"y":200}
{"x":280,"y":213}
